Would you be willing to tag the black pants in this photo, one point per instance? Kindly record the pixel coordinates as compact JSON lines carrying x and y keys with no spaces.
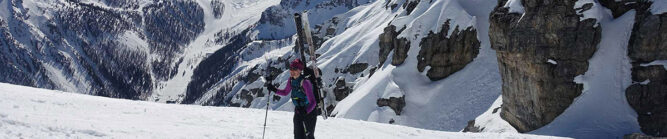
{"x":301,"y":120}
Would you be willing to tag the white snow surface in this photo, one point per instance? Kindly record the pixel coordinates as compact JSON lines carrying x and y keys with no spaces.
{"x":656,"y":62}
{"x":4,"y":12}
{"x":39,"y":113}
{"x":491,"y":120}
{"x":551,"y":61}
{"x":659,"y":6}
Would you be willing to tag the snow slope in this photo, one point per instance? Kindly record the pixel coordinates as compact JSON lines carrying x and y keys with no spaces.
{"x":446,"y":104}
{"x":39,"y":113}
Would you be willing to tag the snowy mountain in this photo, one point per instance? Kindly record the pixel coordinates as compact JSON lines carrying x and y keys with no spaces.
{"x":125,"y":49}
{"x":39,"y":113}
{"x":575,"y":68}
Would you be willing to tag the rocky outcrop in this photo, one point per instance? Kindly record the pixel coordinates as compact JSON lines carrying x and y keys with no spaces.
{"x":248,"y":96}
{"x":648,"y":95}
{"x":341,"y":90}
{"x":352,"y":69}
{"x":649,"y":99}
{"x":447,"y":53}
{"x":394,"y":103}
{"x":472,"y":128}
{"x":389,"y":42}
{"x":357,"y":68}
{"x":534,"y":90}
{"x":410,"y":6}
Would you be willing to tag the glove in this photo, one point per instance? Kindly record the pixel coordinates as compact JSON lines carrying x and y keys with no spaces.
{"x":270,"y":87}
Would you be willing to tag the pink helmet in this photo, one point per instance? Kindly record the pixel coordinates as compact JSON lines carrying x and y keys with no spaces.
{"x":296,"y":64}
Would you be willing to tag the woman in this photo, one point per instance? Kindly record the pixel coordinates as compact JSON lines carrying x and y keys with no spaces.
{"x":301,"y":91}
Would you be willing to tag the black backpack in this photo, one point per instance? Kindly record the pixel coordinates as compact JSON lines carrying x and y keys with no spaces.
{"x":309,"y":75}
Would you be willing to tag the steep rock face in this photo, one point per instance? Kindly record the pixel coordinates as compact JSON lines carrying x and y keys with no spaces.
{"x":535,"y":89}
{"x":389,"y":43}
{"x":447,"y":53}
{"x":648,"y":94}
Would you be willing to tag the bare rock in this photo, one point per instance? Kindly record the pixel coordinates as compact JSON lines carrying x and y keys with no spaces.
{"x":394,"y":103}
{"x":534,"y":91}
{"x":648,"y":95}
{"x":357,"y":68}
{"x":472,"y":128}
{"x":410,"y":5}
{"x":447,"y":55}
{"x":389,"y":42}
{"x":342,"y":90}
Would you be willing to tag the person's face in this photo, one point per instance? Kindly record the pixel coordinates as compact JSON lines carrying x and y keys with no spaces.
{"x":294,"y":73}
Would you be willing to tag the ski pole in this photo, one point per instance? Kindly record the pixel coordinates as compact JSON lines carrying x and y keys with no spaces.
{"x":268,"y":99}
{"x":267,"y":113}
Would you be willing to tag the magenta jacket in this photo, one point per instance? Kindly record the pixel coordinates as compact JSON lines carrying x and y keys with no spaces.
{"x":308,"y":90}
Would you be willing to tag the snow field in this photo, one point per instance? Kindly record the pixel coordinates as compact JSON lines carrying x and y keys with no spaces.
{"x":39,"y":113}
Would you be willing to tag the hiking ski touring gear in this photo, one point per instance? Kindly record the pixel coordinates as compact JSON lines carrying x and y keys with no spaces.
{"x":312,"y":73}
{"x":305,"y":112}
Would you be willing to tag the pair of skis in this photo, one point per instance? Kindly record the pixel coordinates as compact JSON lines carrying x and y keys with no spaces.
{"x":303,"y":32}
